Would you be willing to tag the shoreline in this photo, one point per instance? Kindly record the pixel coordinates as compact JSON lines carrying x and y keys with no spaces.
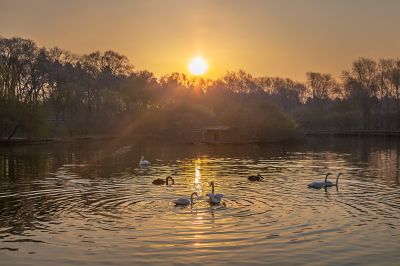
{"x":41,"y":141}
{"x":306,"y":134}
{"x":353,"y":133}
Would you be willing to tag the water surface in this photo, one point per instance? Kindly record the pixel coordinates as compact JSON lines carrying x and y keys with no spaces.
{"x":91,"y":204}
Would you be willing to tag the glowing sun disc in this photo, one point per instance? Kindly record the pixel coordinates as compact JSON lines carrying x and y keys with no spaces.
{"x":198,"y":66}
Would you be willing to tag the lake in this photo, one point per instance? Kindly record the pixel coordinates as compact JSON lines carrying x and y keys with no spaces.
{"x":91,"y":204}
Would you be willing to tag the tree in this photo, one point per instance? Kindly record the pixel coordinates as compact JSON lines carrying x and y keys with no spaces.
{"x":361,"y":84}
{"x":322,"y":86}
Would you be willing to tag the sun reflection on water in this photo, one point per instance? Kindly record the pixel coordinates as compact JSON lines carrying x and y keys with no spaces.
{"x":255,"y":222}
{"x":197,"y":182}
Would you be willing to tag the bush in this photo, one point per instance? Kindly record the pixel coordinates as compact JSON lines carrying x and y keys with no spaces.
{"x":20,"y":119}
{"x":261,"y":121}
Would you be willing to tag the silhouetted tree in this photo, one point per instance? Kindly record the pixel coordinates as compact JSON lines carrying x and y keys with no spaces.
{"x":54,"y":92}
{"x":361,"y":85}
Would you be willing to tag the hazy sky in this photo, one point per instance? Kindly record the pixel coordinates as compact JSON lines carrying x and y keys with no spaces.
{"x":276,"y":38}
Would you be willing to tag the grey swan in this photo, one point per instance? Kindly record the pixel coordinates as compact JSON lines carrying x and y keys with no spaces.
{"x":185,"y":201}
{"x":160,"y":181}
{"x":257,"y":177}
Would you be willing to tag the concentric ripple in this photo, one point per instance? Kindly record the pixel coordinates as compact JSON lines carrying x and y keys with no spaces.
{"x":97,"y":206}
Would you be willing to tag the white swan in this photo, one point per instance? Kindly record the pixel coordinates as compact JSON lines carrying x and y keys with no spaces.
{"x":320,"y":184}
{"x":143,"y":162}
{"x":330,"y":184}
{"x":214,"y":198}
{"x":185,"y":201}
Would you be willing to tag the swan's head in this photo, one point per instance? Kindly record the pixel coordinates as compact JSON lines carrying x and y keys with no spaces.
{"x":326,"y":177}
{"x":340,"y":174}
{"x":169,"y":178}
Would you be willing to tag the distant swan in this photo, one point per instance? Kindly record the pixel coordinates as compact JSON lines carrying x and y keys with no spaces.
{"x":160,"y":181}
{"x":185,"y":201}
{"x":319,"y":184}
{"x":214,"y":198}
{"x":330,"y":184}
{"x":143,"y":162}
{"x":257,"y":177}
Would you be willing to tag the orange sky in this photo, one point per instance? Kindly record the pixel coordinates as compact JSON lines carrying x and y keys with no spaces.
{"x":276,"y":38}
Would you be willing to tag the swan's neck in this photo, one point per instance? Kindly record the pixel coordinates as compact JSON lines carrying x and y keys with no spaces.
{"x":191,"y":197}
{"x":326,"y":178}
{"x":337,"y":179}
{"x":212,"y":188}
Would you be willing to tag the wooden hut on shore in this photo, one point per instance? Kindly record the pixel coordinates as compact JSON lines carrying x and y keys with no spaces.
{"x":213,"y":135}
{"x":220,"y":135}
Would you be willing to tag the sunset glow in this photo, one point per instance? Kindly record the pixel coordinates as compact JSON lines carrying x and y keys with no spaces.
{"x":277,"y":38}
{"x":175,"y":132}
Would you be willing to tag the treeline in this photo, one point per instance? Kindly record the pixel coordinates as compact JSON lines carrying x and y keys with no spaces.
{"x":55,"y":93}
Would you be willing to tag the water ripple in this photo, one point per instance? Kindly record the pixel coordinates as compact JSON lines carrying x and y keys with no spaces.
{"x":91,"y":202}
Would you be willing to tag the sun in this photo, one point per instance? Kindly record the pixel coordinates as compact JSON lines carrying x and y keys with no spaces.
{"x":197,"y":66}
